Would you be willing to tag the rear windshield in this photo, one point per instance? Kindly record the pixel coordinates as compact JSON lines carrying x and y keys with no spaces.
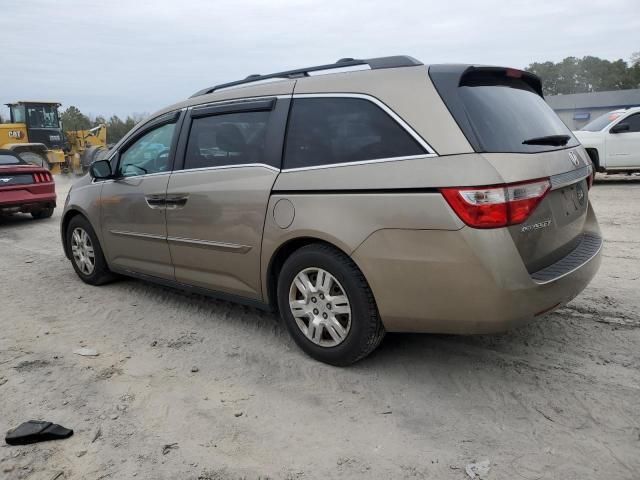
{"x":601,"y":122}
{"x":502,"y":114}
{"x":9,"y":160}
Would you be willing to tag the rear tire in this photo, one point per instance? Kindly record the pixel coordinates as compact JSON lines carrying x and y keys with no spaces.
{"x":42,"y":213}
{"x":86,"y":254}
{"x":361,"y":332}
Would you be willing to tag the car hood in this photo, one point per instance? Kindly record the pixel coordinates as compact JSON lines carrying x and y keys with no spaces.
{"x":586,"y":138}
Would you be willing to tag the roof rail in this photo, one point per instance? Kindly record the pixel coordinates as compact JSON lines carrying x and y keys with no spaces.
{"x":373,"y":63}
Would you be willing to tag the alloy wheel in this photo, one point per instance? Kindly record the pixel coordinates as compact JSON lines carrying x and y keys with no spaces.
{"x":82,"y":250}
{"x":320,"y":307}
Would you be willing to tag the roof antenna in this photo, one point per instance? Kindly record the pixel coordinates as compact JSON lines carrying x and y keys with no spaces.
{"x":345,"y":60}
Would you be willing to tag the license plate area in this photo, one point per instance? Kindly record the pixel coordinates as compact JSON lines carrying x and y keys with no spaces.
{"x":572,"y":199}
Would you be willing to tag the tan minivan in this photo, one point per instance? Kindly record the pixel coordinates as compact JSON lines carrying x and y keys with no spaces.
{"x":354,"y":198}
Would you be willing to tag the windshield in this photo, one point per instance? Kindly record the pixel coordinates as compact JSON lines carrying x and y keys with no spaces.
{"x":601,"y":122}
{"x":503,"y":117}
{"x":42,"y":116}
{"x":9,"y":160}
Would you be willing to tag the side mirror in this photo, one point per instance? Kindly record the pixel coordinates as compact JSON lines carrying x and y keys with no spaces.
{"x":620,"y":127}
{"x":100,"y":170}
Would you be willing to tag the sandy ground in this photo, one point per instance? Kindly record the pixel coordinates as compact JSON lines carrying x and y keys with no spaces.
{"x":557,"y":399}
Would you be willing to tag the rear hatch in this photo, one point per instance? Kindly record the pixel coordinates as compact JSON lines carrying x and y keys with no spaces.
{"x":504,"y":117}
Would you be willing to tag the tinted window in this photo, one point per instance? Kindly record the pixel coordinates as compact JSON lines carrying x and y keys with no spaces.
{"x":503,"y":117}
{"x":10,"y":160}
{"x":634,"y":122}
{"x":324,"y":131}
{"x":500,"y":109}
{"x":231,"y":139}
{"x":149,"y":153}
{"x":601,"y":122}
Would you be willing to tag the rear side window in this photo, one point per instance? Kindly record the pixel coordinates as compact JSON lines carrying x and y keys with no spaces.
{"x":230,"y":139}
{"x":326,"y":131}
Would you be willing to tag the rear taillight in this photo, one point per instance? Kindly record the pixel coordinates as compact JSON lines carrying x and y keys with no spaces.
{"x":496,"y":206}
{"x":43,"y":177}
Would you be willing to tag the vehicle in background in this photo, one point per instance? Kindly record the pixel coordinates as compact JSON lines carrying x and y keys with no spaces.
{"x":36,"y":133}
{"x":354,"y":198}
{"x":25,"y":188}
{"x":613,"y":141}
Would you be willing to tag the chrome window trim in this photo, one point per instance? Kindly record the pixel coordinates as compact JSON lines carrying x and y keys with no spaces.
{"x":405,"y":126}
{"x":423,"y":143}
{"x":144,"y":175}
{"x":225,"y":167}
{"x":361,"y":162}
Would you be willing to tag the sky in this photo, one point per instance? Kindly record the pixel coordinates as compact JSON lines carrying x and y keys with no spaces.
{"x":123,"y":57}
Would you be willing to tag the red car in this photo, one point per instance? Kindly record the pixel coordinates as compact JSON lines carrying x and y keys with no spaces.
{"x":25,"y":188}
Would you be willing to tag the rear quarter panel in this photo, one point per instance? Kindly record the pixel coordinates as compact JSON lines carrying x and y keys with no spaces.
{"x":344,"y":205}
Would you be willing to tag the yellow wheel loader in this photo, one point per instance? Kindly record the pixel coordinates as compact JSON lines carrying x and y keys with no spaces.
{"x":36,"y":134}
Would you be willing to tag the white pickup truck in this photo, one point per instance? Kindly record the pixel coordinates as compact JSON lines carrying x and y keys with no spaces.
{"x":613,"y":141}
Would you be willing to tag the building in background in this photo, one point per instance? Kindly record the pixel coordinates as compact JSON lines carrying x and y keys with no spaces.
{"x":578,"y":109}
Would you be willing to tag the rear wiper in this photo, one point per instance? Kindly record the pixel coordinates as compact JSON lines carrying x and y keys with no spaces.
{"x":555,"y":140}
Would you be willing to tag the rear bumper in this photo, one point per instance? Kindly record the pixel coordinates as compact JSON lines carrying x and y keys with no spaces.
{"x":467,"y":281}
{"x":23,"y":200}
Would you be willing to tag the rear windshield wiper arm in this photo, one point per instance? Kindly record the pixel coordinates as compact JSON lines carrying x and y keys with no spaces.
{"x":558,"y":140}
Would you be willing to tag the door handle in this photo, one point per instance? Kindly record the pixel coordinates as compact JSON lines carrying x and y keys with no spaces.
{"x":155,"y":201}
{"x":176,"y":201}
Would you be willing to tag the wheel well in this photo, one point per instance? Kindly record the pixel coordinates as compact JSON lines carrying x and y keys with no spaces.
{"x":595,"y":158}
{"x":278,"y":259}
{"x":63,"y":229}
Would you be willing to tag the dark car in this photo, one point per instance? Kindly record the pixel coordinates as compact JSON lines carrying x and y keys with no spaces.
{"x":25,"y":187}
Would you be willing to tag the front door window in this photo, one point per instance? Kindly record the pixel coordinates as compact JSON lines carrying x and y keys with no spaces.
{"x":149,"y":154}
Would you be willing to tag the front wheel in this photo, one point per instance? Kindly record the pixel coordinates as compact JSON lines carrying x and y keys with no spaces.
{"x":328,"y":306}
{"x":86,"y":254}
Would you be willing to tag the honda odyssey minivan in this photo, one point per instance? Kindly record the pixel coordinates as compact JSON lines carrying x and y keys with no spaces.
{"x":355,"y":198}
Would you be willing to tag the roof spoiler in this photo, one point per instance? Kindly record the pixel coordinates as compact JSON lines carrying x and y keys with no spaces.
{"x":478,"y":76}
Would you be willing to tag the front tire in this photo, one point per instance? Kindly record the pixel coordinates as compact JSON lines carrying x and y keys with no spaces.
{"x":86,"y":254}
{"x":327,"y":305}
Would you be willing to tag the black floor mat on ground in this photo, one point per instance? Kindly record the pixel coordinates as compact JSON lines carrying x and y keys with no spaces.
{"x":35,"y":431}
